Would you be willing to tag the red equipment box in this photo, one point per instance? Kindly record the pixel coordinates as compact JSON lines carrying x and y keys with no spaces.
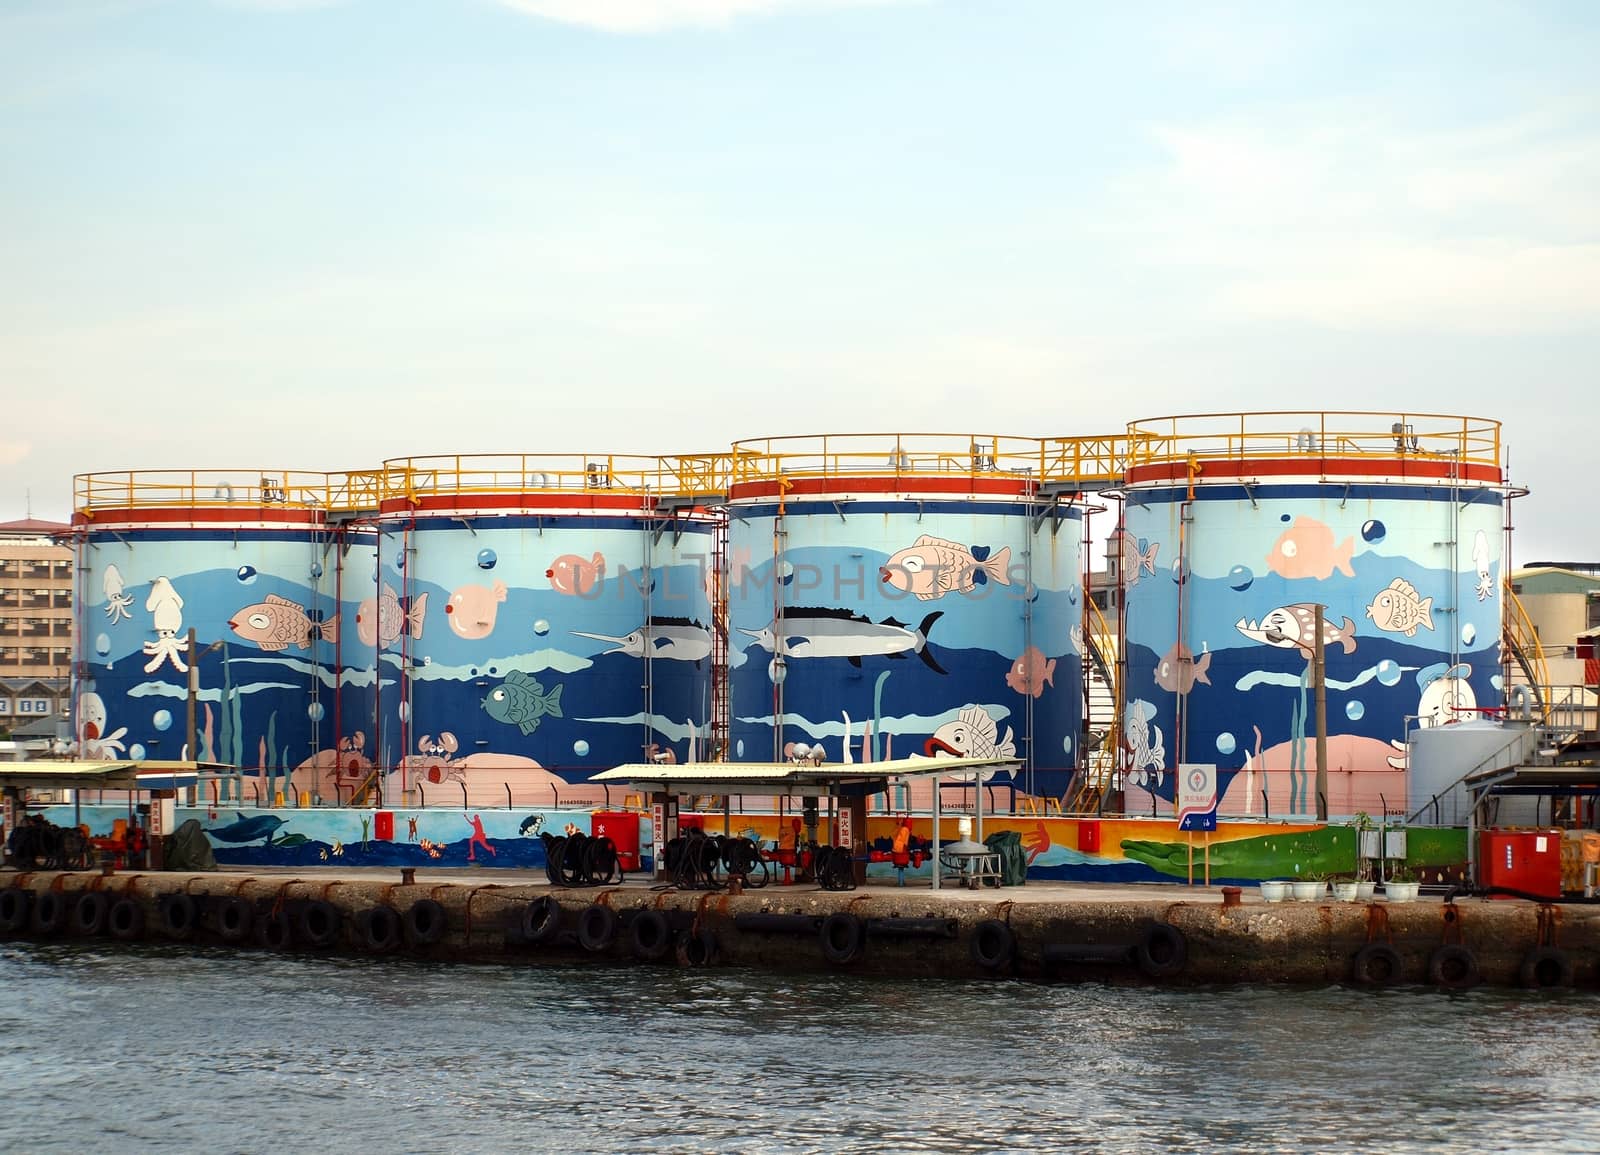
{"x":1525,"y":860}
{"x":622,"y":827}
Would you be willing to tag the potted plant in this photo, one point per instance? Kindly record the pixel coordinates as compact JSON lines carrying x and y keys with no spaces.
{"x":1344,"y":889}
{"x":1309,"y":889}
{"x":1365,"y":886}
{"x":1274,"y":889}
{"x":1400,"y":883}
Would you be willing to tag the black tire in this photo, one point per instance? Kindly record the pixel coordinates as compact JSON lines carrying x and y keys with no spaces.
{"x":273,"y":930}
{"x":317,"y":923}
{"x":178,"y":915}
{"x":234,"y":919}
{"x":1376,"y":965}
{"x":541,"y":920}
{"x":15,"y":905}
{"x":597,"y":927}
{"x":378,"y":929}
{"x":1546,"y":966}
{"x":570,"y":869}
{"x":1162,"y":951}
{"x":49,"y":913}
{"x":841,"y":935}
{"x":554,"y":850}
{"x":125,"y":920}
{"x":994,"y":944}
{"x":424,"y":923}
{"x":698,"y":948}
{"x":1453,"y":967}
{"x":89,"y":914}
{"x":650,"y":935}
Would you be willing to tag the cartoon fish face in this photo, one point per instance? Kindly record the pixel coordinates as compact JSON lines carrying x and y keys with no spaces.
{"x":912,"y":572}
{"x":571,"y":574}
{"x":367,"y":622}
{"x":472,"y":609}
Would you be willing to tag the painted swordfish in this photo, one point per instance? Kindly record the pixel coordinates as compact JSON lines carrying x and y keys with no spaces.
{"x":830,"y":633}
{"x":675,"y":639}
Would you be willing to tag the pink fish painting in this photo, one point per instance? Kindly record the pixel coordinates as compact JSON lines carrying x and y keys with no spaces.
{"x":472,"y":609}
{"x":1306,"y":550}
{"x":277,"y":623}
{"x":380,"y":620}
{"x":1032,"y":672}
{"x":571,"y":574}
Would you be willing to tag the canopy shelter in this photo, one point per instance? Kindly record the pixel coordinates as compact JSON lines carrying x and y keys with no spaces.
{"x":148,"y":776}
{"x":851,"y":783}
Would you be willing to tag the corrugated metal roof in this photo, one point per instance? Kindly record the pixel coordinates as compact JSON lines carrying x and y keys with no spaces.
{"x":771,"y":775}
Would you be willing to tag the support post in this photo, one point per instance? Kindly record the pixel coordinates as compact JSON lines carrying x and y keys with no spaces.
{"x":1319,"y":685}
{"x":194,"y":694}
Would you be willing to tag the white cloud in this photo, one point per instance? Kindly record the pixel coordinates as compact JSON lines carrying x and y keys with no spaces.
{"x":654,"y":15}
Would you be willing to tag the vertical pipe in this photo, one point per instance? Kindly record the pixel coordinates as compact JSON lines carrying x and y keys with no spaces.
{"x":1318,"y":681}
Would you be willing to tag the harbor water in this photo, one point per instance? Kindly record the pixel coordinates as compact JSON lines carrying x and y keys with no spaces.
{"x":158,"y":1047}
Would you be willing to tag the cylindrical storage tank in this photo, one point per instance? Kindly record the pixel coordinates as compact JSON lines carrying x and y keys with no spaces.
{"x":1236,"y":529}
{"x":244,"y":559}
{"x":905,"y":594}
{"x":538,"y":618}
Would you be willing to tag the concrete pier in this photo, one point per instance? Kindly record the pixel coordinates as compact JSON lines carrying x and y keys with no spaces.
{"x":1168,"y":935}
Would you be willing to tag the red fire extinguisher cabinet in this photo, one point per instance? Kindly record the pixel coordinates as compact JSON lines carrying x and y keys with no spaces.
{"x":1525,"y":860}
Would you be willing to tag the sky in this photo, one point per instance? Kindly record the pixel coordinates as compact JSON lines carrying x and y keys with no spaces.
{"x":318,"y":234}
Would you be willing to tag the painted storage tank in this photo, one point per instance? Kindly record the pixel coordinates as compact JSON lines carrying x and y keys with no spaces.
{"x":244,"y":559}
{"x":905,"y":594}
{"x":1236,"y":527}
{"x":538,"y":618}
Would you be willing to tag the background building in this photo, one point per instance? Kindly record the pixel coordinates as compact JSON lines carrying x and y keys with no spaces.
{"x":36,"y":583}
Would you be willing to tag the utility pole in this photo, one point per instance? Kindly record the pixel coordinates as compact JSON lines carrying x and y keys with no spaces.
{"x":1319,"y":684}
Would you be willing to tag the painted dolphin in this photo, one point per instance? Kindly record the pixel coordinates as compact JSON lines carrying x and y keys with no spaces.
{"x":675,"y":639}
{"x":830,"y":633}
{"x":262,"y":826}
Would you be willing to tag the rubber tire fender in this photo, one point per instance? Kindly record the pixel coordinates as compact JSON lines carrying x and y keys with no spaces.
{"x":841,"y":935}
{"x":49,"y":913}
{"x":178,"y":915}
{"x":234,"y":919}
{"x":14,"y":909}
{"x":597,"y":927}
{"x":274,"y":930}
{"x":424,"y":923}
{"x":125,"y":920}
{"x":650,"y":935}
{"x":1453,"y":967}
{"x":1376,"y":965}
{"x":318,"y":922}
{"x":1162,"y":952}
{"x":1546,"y":966}
{"x":993,"y":945}
{"x":698,"y":948}
{"x":89,"y":914}
{"x":378,"y":929}
{"x":541,"y":920}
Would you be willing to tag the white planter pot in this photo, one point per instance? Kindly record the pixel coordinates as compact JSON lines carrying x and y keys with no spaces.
{"x":1307,"y":891}
{"x":1365,"y":891}
{"x":1345,"y":891}
{"x":1401,"y":891}
{"x":1274,"y":891}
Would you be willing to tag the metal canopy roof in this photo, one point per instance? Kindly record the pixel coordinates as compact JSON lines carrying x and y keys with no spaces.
{"x":142,"y":775}
{"x":788,"y":777}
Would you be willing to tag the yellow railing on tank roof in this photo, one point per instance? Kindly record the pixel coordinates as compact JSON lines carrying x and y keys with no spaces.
{"x":210,"y":488}
{"x":1237,"y":436}
{"x":919,"y":454}
{"x":413,"y":478}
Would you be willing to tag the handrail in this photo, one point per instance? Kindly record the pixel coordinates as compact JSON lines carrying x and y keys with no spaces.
{"x":1522,"y":638}
{"x":1278,"y":434}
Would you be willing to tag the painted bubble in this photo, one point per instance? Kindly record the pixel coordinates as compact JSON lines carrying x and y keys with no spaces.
{"x":404,"y":711}
{"x":1354,"y":710}
{"x":1388,"y":672}
{"x":1498,"y":682}
{"x":162,"y":720}
{"x":315,"y":711}
{"x":246,"y":575}
{"x":1066,"y":745}
{"x":102,"y":644}
{"x":738,"y":748}
{"x":486,"y":559}
{"x":541,"y":627}
{"x":581,"y":748}
{"x":1374,"y":531}
{"x":777,"y":672}
{"x":1284,"y":517}
{"x":1241,"y":578}
{"x":135,"y":752}
{"x":1180,"y":570}
{"x":316,"y":570}
{"x":787,"y":572}
{"x":1469,"y":634}
{"x":1226,"y":743}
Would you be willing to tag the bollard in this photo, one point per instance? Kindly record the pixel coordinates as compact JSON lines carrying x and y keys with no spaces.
{"x":408,"y":876}
{"x":1230,"y":895}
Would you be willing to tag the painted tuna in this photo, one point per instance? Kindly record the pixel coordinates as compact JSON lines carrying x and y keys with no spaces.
{"x":381,"y":620}
{"x":835,"y":633}
{"x":261,"y":826}
{"x":1293,"y":628}
{"x":1398,"y":609}
{"x":932,"y":567}
{"x":1179,"y":669}
{"x":521,"y":701}
{"x":1032,"y":672}
{"x":1306,"y":550}
{"x":277,"y":623}
{"x":675,"y":639}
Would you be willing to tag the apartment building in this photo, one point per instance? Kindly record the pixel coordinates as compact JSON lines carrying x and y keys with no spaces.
{"x":36,"y":584}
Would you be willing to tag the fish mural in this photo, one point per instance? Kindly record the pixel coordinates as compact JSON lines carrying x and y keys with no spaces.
{"x":1143,"y":744}
{"x":1178,"y":670}
{"x":932,"y":567}
{"x":262,"y":826}
{"x":521,"y":701}
{"x":1293,"y":628}
{"x":1136,"y":556}
{"x":1306,"y":550}
{"x":381,"y":620}
{"x":1032,"y":672}
{"x":1398,"y":609}
{"x":973,"y":734}
{"x":278,"y":623}
{"x":837,"y":633}
{"x":673,"y":639}
{"x":472,"y":609}
{"x":571,"y":574}
{"x":117,"y":601}
{"x":1480,"y":559}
